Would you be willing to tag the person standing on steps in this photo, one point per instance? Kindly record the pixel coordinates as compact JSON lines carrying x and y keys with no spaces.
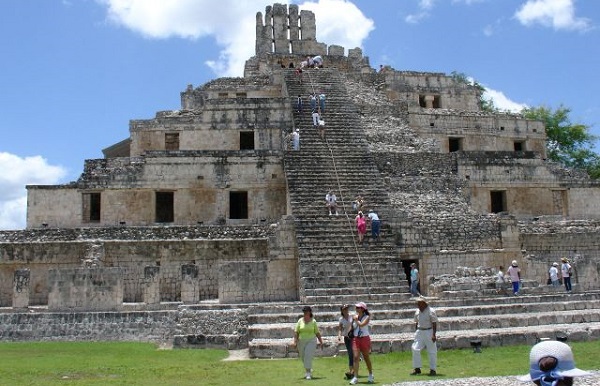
{"x":316,"y":118}
{"x":299,"y":103}
{"x":321,"y":127}
{"x":553,"y":274}
{"x":375,"y":225}
{"x":322,"y":102}
{"x":361,"y":226}
{"x":313,"y":102}
{"x":425,"y":337}
{"x":414,"y":280}
{"x":298,"y":73}
{"x":304,"y":339}
{"x":296,"y":139}
{"x":357,"y":204}
{"x":331,"y":202}
{"x":346,"y":331}
{"x":500,"y":281}
{"x":566,"y":271}
{"x":361,"y":343}
{"x":514,"y":272}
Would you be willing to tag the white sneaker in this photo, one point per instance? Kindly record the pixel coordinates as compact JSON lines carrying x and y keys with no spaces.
{"x":371,"y":378}
{"x":354,"y":381}
{"x":308,"y":375}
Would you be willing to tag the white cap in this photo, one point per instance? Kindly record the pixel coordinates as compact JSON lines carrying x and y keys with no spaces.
{"x":565,"y":366}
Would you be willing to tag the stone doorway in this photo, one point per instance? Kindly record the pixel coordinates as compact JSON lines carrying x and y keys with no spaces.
{"x":406,"y":267}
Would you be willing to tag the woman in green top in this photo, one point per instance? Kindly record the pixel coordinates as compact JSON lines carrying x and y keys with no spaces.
{"x":304,"y":339}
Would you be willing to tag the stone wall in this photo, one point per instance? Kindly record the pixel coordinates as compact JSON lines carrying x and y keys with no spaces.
{"x":479,"y":131}
{"x":532,"y":187}
{"x":546,"y":242}
{"x":132,"y":256}
{"x":226,"y":329}
{"x":412,"y":86}
{"x":216,"y":125}
{"x":201,"y":184}
{"x":85,"y":289}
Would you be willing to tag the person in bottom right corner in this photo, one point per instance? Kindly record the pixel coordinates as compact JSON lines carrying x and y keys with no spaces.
{"x":566,"y":270}
{"x":425,"y":337}
{"x":551,"y":363}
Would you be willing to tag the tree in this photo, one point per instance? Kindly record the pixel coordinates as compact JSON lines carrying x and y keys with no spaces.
{"x":570,"y":144}
{"x":486,"y":105}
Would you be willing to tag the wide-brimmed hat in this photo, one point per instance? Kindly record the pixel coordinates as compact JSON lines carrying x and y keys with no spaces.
{"x":422,"y":299}
{"x":514,"y":263}
{"x":565,"y":363}
{"x":564,"y":259}
{"x":361,"y":305}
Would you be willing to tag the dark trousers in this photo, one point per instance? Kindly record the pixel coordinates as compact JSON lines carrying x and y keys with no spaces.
{"x":348,"y":344}
{"x":567,"y":281}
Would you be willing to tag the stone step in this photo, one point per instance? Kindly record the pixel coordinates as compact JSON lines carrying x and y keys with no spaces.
{"x":456,"y":324}
{"x":385,"y":343}
{"x":331,"y":312}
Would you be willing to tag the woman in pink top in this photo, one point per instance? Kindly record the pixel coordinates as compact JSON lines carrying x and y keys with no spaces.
{"x":361,"y":226}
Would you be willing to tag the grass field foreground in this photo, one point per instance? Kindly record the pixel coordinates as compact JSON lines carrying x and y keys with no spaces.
{"x":122,"y":363}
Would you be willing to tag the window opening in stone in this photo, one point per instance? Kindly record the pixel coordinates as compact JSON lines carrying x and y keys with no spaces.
{"x":246,"y":140}
{"x":454,"y":144}
{"x":498,"y":201}
{"x":436,"y":102}
{"x":422,"y":101}
{"x":223,"y":95}
{"x":91,"y":207}
{"x":501,"y":128}
{"x":519,"y":146}
{"x":165,"y":207}
{"x":171,"y":141}
{"x":241,"y":95}
{"x":238,"y":205}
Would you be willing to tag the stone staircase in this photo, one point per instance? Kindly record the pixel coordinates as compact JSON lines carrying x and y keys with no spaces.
{"x":495,"y":320}
{"x":331,"y":263}
{"x":334,"y":270}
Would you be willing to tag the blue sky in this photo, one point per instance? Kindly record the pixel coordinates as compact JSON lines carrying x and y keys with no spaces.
{"x":74,"y":72}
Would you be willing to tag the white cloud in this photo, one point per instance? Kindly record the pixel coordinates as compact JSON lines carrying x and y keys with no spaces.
{"x":232,"y":24}
{"x":425,"y":6}
{"x":558,"y":14}
{"x":502,"y":102}
{"x":13,"y":195}
{"x":340,"y":22}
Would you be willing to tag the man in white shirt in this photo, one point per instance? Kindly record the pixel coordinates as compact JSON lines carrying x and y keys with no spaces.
{"x":375,"y":224}
{"x":426,"y":324}
{"x":331,"y":202}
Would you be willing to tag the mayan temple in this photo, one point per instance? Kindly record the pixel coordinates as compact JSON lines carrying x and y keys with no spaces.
{"x":204,"y":227}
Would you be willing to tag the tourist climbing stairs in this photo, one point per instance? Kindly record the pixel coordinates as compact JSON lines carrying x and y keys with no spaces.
{"x":332,"y":263}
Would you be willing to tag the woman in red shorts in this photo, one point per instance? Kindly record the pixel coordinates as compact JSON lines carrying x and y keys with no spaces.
{"x":361,"y":344}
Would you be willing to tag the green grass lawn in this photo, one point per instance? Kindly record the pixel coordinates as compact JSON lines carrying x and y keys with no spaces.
{"x":109,"y":363}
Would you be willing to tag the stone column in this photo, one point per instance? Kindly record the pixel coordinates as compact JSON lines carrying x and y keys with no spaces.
{"x":189,"y":284}
{"x":308,"y":27}
{"x":429,"y":101}
{"x":293,"y":22}
{"x":151,"y":285}
{"x":280,"y":29}
{"x":264,"y":34}
{"x":21,"y":283}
